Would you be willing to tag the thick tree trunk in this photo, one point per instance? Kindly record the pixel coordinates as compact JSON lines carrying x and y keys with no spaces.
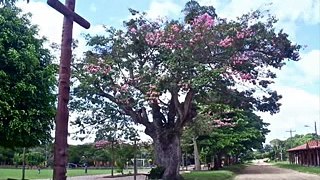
{"x":168,"y":154}
{"x":196,"y":155}
{"x":217,"y":162}
{"x":227,"y":160}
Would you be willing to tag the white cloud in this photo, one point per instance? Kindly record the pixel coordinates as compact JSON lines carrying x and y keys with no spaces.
{"x":298,"y":108}
{"x":286,"y":10}
{"x":48,"y":19}
{"x":289,"y":12}
{"x":310,"y":65}
{"x":302,"y":74}
{"x":215,"y":3}
{"x":162,"y":8}
{"x":298,"y":83}
{"x":50,"y":22}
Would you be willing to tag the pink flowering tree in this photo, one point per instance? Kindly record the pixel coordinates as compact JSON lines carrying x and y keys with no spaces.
{"x":156,"y":72}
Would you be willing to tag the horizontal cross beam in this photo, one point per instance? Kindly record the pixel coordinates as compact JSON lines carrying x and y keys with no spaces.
{"x":57,"y":5}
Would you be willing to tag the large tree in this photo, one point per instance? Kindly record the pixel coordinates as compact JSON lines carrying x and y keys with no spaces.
{"x":27,"y":81}
{"x":156,"y":71}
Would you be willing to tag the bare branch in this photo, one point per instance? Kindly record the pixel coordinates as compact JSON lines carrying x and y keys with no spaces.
{"x":174,"y":97}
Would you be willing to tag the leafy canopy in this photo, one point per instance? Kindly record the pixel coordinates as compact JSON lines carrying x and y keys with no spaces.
{"x":165,"y":66}
{"x":27,"y":81}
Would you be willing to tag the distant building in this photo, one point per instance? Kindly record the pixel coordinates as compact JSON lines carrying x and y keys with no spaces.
{"x":307,"y":154}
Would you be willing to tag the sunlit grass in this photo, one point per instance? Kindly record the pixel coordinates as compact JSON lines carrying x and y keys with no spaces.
{"x":209,"y":175}
{"x":47,"y":173}
{"x":305,"y":169}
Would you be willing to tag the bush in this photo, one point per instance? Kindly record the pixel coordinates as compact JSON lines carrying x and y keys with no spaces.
{"x":156,"y":173}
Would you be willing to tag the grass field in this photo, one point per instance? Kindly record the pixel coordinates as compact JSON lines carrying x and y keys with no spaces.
{"x":209,"y":175}
{"x":47,"y":173}
{"x":226,"y":173}
{"x":305,"y":169}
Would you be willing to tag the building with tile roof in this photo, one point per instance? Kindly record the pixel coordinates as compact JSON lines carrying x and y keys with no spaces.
{"x":307,"y":154}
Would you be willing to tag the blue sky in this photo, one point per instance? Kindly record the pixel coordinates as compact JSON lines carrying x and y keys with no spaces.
{"x":298,"y":82}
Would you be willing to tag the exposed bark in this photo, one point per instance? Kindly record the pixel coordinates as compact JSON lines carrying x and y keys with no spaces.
{"x":217,"y":162}
{"x":196,"y":154}
{"x":227,"y":160}
{"x":168,"y":153}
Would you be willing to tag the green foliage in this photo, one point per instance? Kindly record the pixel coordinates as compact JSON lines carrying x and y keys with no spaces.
{"x":156,"y":173}
{"x":27,"y":81}
{"x":35,"y":159}
{"x":6,"y":156}
{"x":278,"y":148}
{"x":86,"y":153}
{"x":245,"y":131}
{"x":123,"y":154}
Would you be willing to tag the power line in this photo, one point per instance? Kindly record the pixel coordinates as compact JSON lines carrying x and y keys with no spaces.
{"x":291,"y":131}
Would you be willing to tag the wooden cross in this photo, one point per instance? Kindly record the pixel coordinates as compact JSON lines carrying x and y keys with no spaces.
{"x":62,"y":116}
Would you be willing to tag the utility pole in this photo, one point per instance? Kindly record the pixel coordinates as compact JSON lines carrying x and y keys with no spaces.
{"x":62,"y":116}
{"x":315,"y":129}
{"x":291,"y":131}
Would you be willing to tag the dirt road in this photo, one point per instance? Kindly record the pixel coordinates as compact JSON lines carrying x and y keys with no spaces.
{"x":264,"y":171}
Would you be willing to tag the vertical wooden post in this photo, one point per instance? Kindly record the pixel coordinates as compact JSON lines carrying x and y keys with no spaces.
{"x":62,"y":116}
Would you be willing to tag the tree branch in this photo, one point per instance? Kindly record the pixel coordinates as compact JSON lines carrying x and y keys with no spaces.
{"x":172,"y":112}
{"x":187,"y":103}
{"x":174,"y":97}
{"x":139,"y":116}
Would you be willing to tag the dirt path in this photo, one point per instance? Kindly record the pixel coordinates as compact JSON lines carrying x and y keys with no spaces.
{"x":264,"y":171}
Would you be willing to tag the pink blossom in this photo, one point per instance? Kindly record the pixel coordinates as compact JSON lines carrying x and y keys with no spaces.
{"x":226,"y":42}
{"x":246,"y":76}
{"x":152,"y":87}
{"x":102,"y":144}
{"x":154,"y":39}
{"x":204,"y":20}
{"x":223,"y":122}
{"x":93,"y":68}
{"x":244,"y":33}
{"x":124,"y":88}
{"x":133,"y":30}
{"x":107,"y":70}
{"x":175,"y":28}
{"x":239,"y":59}
{"x":240,"y":35}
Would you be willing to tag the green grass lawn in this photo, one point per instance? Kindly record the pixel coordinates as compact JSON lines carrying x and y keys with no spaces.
{"x":226,"y":173}
{"x":209,"y":175}
{"x":47,"y":173}
{"x":305,"y":169}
